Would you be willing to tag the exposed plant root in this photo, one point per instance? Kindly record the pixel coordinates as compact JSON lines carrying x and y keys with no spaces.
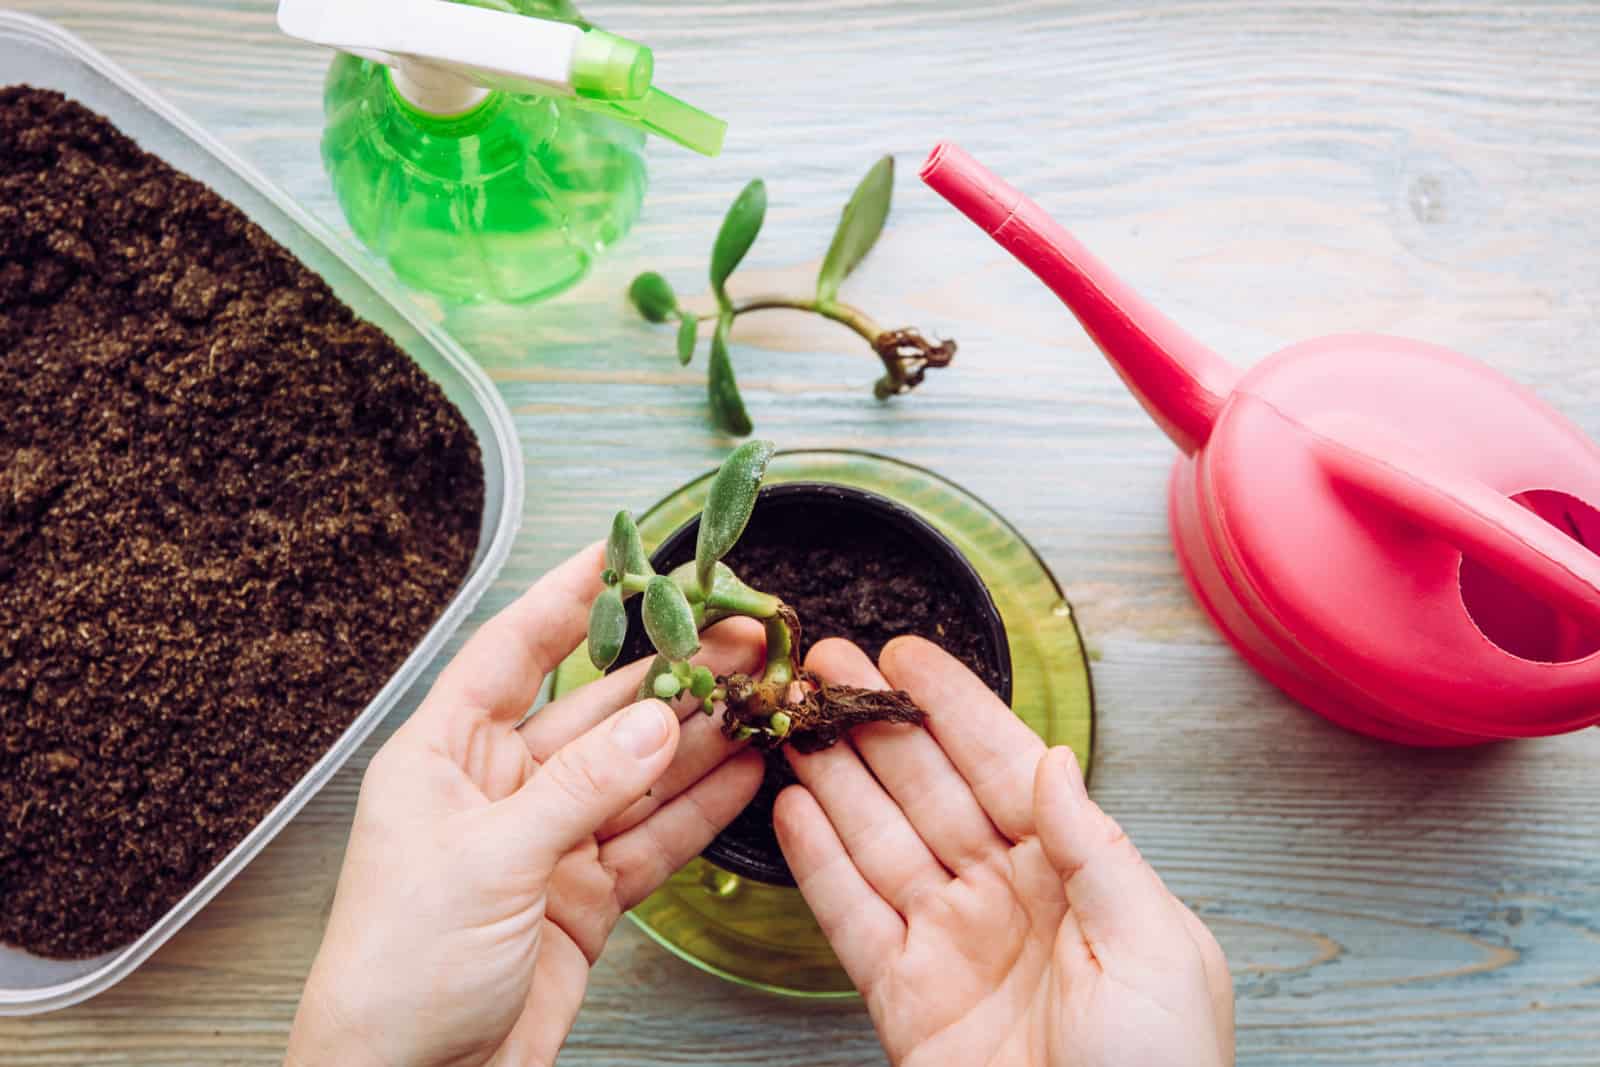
{"x":809,"y":714}
{"x":907,"y":356}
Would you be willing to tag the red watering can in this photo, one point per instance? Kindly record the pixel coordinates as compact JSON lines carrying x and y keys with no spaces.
{"x":1392,"y":533}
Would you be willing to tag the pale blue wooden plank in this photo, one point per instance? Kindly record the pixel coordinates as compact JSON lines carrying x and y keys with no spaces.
{"x":1266,"y":172}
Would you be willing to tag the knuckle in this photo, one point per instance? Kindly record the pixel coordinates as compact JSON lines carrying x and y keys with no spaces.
{"x":658,"y":855}
{"x":579,"y":776}
{"x":705,"y":823}
{"x":1116,"y":843}
{"x":633,"y":815}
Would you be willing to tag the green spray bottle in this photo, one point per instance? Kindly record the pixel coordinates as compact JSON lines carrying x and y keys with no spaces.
{"x":487,"y":149}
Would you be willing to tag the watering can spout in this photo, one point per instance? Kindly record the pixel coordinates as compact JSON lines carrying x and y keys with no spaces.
{"x":1180,"y":382}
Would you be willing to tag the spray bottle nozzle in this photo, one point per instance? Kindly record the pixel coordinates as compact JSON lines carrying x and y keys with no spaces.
{"x":608,"y":67}
{"x":448,"y":56}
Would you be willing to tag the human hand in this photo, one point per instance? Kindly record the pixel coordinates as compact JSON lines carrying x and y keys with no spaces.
{"x":487,"y":865}
{"x":988,"y":911}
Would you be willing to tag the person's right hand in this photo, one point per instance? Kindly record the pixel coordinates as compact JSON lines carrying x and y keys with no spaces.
{"x":988,"y":911}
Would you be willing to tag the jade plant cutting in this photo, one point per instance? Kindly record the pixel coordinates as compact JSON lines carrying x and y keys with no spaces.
{"x":906,"y":355}
{"x":785,"y":703}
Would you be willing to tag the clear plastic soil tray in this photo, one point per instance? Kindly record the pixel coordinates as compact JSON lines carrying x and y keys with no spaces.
{"x":40,"y":54}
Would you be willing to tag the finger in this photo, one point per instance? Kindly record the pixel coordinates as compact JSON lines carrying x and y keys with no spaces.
{"x":992,"y":749}
{"x":733,"y":645}
{"x":881,"y":842}
{"x":587,"y":782}
{"x":914,"y":769}
{"x":580,"y":900}
{"x":1219,"y":981}
{"x":560,"y":976}
{"x":702,"y":748}
{"x":593,"y":885}
{"x":498,"y":672}
{"x":865,"y":931}
{"x":1121,"y":906}
{"x":648,"y":854}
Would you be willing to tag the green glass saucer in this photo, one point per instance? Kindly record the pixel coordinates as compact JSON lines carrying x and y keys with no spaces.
{"x":764,"y":936}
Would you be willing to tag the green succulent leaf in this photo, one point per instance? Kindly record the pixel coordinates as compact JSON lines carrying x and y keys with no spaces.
{"x":688,"y":327}
{"x":647,"y":686}
{"x":728,"y":506}
{"x":683,"y":576}
{"x":702,"y":682}
{"x":738,"y":233}
{"x":727,"y":405}
{"x":730,"y":596}
{"x":667,"y":686}
{"x":625,"y":552}
{"x":669,"y":620}
{"x":652,"y":295}
{"x":859,"y":226}
{"x":608,"y":626}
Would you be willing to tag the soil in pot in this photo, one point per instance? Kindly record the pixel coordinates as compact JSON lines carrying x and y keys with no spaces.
{"x":852,"y":565}
{"x":229,"y":510}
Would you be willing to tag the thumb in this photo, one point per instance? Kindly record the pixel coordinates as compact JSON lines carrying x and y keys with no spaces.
{"x":1119,"y":902}
{"x":591,"y":780}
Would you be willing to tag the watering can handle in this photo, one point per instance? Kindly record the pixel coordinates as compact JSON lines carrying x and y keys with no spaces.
{"x":1461,"y":509}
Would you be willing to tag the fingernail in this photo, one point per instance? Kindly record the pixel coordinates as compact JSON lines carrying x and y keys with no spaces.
{"x":642,"y":729}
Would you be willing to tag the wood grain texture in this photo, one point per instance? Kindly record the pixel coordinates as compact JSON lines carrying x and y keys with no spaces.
{"x":1265,"y":172}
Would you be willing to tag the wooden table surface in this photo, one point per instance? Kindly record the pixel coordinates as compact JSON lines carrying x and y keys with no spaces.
{"x":1265,"y":172}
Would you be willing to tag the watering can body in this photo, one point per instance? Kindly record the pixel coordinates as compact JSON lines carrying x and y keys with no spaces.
{"x":1392,"y":533}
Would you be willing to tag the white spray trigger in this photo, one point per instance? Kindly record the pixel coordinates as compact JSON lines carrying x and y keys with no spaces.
{"x":446,"y":57}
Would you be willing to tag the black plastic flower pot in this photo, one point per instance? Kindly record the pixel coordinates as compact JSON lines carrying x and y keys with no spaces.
{"x":856,"y":565}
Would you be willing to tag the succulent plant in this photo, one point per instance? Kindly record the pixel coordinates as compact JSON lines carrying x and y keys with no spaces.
{"x":906,"y":355}
{"x":785,"y":703}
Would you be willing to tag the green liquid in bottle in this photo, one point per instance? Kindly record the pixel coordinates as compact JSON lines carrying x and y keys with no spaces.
{"x":509,"y":201}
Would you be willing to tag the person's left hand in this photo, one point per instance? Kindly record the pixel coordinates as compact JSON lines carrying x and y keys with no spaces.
{"x":989,"y":911}
{"x":487,"y":865}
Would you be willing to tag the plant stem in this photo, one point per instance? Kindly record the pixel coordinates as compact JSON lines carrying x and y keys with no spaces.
{"x":780,"y":651}
{"x":905,"y":354}
{"x":736,"y":598}
{"x":844,"y":314}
